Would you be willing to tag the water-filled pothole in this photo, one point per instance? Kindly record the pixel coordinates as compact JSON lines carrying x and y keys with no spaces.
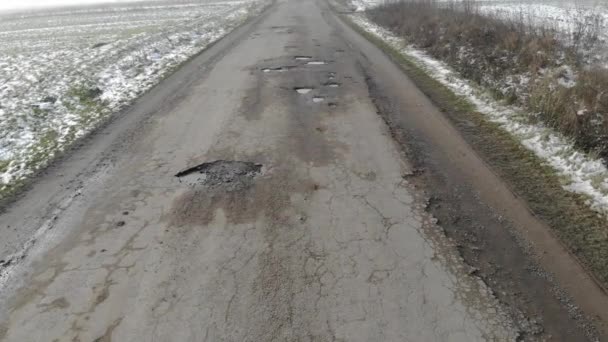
{"x":332,"y":84}
{"x":316,"y":63}
{"x":278,"y":69}
{"x":228,"y":174}
{"x":302,"y":58}
{"x":318,"y":99}
{"x":303,"y":90}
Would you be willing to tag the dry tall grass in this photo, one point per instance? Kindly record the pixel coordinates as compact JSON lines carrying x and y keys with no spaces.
{"x":536,"y":66}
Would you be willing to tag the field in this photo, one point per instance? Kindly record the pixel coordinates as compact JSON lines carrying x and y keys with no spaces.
{"x":571,"y":18}
{"x":63,"y":71}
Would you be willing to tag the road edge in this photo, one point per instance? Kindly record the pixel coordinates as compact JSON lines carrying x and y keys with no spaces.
{"x":457,"y":111}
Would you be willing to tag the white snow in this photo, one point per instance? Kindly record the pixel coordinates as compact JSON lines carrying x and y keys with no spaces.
{"x":570,"y":18}
{"x":53,"y":63}
{"x":579,"y":172}
{"x":362,"y":5}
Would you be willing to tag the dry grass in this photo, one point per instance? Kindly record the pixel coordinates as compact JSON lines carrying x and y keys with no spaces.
{"x":568,"y":214}
{"x":552,"y":76}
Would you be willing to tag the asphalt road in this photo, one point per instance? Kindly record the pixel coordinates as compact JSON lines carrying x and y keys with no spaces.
{"x":299,"y":224}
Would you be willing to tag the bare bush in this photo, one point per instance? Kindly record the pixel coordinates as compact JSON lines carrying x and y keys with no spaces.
{"x":559,"y":85}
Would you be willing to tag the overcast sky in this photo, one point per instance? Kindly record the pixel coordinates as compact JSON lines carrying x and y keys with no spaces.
{"x":20,"y":4}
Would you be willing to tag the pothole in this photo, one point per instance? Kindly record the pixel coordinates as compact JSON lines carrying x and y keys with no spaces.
{"x":332,"y":105}
{"x":228,"y":174}
{"x":318,"y":99}
{"x":278,"y":69}
{"x":331,"y":75}
{"x":303,"y":90}
{"x":316,"y":63}
{"x":332,"y":84}
{"x":302,"y":58}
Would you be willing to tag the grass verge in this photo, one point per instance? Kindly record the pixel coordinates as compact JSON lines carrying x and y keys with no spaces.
{"x":575,"y":224}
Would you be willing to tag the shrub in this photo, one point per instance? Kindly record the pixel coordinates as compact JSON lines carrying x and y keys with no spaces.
{"x":521,"y":61}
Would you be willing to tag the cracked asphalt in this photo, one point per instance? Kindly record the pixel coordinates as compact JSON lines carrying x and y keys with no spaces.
{"x":329,"y":241}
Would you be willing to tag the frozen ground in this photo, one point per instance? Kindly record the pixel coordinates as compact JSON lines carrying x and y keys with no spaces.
{"x":63,"y":71}
{"x":362,"y":5}
{"x":572,"y":18}
{"x":579,"y":173}
{"x":568,"y":16}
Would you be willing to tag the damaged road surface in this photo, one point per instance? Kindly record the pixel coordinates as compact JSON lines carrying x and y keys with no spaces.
{"x":254,"y":195}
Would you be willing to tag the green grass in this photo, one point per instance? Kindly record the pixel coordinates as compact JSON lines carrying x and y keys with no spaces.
{"x":579,"y":228}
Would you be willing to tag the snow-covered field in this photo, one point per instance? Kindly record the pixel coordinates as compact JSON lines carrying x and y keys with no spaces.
{"x":63,"y":71}
{"x":579,"y":172}
{"x":571,"y":18}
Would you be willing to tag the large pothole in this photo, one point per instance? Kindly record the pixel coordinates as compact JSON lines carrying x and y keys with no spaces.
{"x":227,"y":174}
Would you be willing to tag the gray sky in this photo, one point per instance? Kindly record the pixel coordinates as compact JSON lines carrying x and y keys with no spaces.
{"x":20,"y":4}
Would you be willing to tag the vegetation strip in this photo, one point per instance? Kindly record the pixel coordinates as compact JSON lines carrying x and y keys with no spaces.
{"x":568,"y":214}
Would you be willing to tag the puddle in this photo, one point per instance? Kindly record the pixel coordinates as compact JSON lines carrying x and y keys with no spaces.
{"x":303,"y":90}
{"x":316,"y":63}
{"x":332,"y":84}
{"x":318,"y":99}
{"x":302,"y":58}
{"x":228,"y":174}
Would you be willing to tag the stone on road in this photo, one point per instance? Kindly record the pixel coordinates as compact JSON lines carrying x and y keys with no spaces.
{"x":290,"y":218}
